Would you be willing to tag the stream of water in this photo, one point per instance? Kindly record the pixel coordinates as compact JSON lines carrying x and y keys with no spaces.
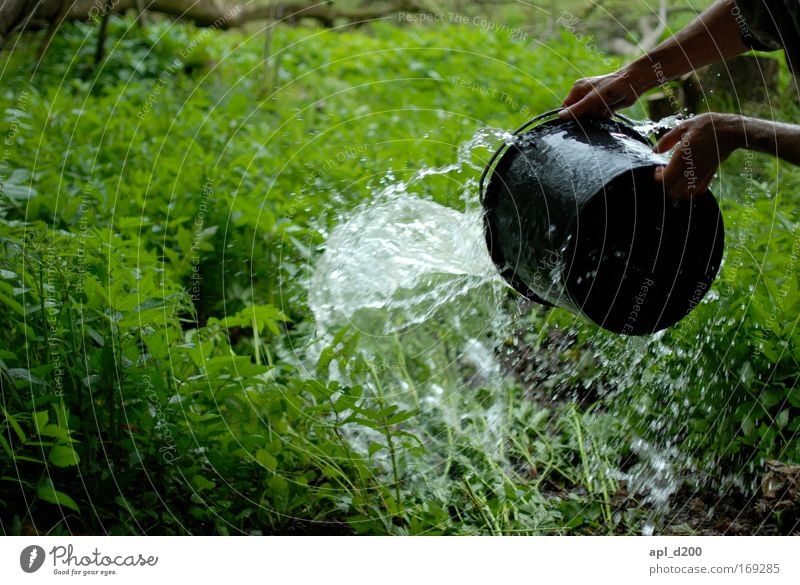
{"x":399,"y":258}
{"x":401,"y":261}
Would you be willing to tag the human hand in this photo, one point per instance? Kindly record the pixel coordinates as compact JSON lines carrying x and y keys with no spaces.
{"x":702,"y":144}
{"x":600,"y":96}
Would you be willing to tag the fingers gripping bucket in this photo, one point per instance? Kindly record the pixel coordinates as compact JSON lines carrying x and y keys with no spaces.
{"x":574,"y":218}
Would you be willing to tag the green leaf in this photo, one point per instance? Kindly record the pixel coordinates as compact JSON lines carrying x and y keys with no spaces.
{"x":369,"y":423}
{"x":12,"y":303}
{"x":49,"y":494}
{"x":56,"y":432}
{"x":19,"y":192}
{"x":6,"y":447}
{"x":747,"y":426}
{"x":63,"y":456}
{"x":157,"y":344}
{"x":374,"y":448}
{"x":278,"y":487}
{"x":267,"y":316}
{"x":28,"y":459}
{"x":15,"y":425}
{"x":771,"y":397}
{"x":266,"y":459}
{"x":202,"y":483}
{"x":41,"y":418}
{"x":400,"y":417}
{"x":263,"y":315}
{"x":24,"y":375}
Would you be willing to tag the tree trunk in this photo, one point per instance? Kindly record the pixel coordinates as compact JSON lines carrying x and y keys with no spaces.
{"x":223,"y":15}
{"x":18,"y":15}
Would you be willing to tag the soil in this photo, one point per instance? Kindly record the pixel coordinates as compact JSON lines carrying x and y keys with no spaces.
{"x":709,"y":514}
{"x":772,"y":510}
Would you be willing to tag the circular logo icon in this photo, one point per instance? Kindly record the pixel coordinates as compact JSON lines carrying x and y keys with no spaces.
{"x":31,"y":558}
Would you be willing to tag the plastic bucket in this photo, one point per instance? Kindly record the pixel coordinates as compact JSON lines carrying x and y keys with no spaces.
{"x":574,"y":218}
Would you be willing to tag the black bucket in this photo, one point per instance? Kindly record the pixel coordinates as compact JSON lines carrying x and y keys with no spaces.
{"x":575,"y":219}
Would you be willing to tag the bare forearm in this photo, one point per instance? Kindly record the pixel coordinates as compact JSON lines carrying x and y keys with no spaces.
{"x":713,"y":36}
{"x":775,"y":138}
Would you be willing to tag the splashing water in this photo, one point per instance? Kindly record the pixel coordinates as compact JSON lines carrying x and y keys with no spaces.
{"x":393,"y":264}
{"x":654,"y":129}
{"x":416,"y":280}
{"x":399,"y":259}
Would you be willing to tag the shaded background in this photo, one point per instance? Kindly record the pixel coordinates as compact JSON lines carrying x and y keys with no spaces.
{"x":168,"y":181}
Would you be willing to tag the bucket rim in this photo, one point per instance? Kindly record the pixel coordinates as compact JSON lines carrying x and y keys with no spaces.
{"x":537,"y":121}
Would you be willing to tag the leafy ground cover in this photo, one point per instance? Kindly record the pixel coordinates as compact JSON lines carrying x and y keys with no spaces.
{"x":160,"y":217}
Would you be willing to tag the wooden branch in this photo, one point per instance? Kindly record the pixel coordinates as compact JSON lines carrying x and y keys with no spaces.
{"x":140,"y":13}
{"x":325,"y":13}
{"x":51,"y":31}
{"x":23,"y":15}
{"x":650,"y":37}
{"x":101,"y":34}
{"x":209,"y":13}
{"x":650,"y":34}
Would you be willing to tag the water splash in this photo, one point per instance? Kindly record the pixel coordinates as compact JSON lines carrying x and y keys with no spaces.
{"x":655,"y":129}
{"x":397,"y":260}
{"x":394,"y":263}
{"x":414,"y":275}
{"x":416,"y":280}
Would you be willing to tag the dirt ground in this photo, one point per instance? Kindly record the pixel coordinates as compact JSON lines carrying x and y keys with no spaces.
{"x":774,"y":509}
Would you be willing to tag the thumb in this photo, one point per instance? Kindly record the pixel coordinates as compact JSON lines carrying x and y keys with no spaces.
{"x":672,"y":174}
{"x":592,"y":104}
{"x":669,"y":139}
{"x":576,"y":94}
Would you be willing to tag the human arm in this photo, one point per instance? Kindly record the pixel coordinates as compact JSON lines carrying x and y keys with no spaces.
{"x":713,"y":36}
{"x":705,"y":141}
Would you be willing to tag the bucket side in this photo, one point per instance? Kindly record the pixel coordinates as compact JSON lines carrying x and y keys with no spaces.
{"x":538,"y":190}
{"x":639,"y":261}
